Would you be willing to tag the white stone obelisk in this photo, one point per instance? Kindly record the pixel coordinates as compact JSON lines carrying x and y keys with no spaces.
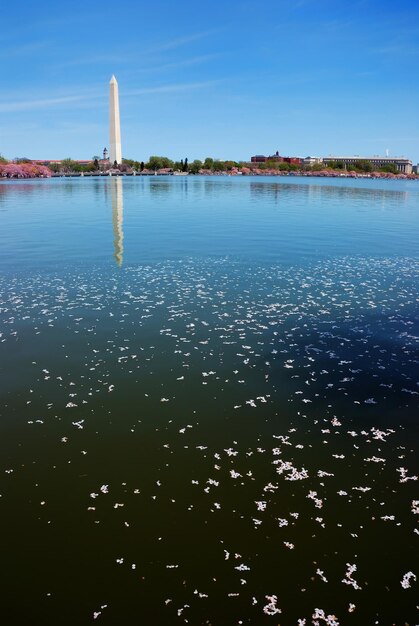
{"x":115,"y":152}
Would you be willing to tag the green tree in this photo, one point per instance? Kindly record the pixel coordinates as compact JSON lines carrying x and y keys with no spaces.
{"x":131,"y":163}
{"x":2,"y":159}
{"x":363,"y":165}
{"x":209,"y":163}
{"x":158,"y":162}
{"x":68,"y":165}
{"x":195,"y":166}
{"x":185,"y":165}
{"x":390,"y":168}
{"x":272,"y":165}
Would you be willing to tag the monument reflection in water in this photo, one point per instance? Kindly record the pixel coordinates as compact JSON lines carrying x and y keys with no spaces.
{"x":117,"y":219}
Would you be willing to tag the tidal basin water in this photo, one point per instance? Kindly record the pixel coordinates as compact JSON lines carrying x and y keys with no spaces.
{"x":209,"y":401}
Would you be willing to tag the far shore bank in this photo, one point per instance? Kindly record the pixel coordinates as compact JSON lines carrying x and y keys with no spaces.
{"x":263,"y":173}
{"x":162,"y":166}
{"x":16,"y":173}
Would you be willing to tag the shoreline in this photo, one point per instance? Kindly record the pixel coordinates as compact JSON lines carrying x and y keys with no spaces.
{"x":262,"y":173}
{"x":256,"y":173}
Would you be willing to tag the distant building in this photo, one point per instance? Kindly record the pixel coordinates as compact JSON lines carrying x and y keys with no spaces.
{"x":403,"y":165}
{"x":46,"y":161}
{"x":310,"y":161}
{"x":59,"y":161}
{"x":260,"y":158}
{"x":292,"y":160}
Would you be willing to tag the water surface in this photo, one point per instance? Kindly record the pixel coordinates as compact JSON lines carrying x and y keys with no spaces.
{"x":209,"y":401}
{"x":48,"y":223}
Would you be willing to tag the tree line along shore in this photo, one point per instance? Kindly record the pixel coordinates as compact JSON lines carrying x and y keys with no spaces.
{"x":157,"y":165}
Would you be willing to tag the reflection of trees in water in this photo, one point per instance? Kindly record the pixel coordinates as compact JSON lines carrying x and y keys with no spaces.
{"x":175,"y":184}
{"x":160,"y":187}
{"x":43,"y":187}
{"x":98,"y":186}
{"x":3,"y":193}
{"x":68,"y":188}
{"x":216,"y":187}
{"x":326,"y":191}
{"x":23,"y":188}
{"x":183,"y":184}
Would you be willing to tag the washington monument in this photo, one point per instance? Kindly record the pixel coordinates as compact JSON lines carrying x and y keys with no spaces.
{"x":115,"y":152}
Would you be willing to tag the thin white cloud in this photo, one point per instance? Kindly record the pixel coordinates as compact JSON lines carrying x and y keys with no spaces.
{"x":23,"y":49}
{"x":28,"y":105}
{"x":91,"y":98}
{"x":185,"y":63}
{"x":126,"y":53}
{"x":177,"y":87}
{"x":109,"y":59}
{"x":180,"y":41}
{"x":34,"y":129}
{"x":25,"y":30}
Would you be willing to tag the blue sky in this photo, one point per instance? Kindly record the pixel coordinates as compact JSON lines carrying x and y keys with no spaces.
{"x":226,"y":79}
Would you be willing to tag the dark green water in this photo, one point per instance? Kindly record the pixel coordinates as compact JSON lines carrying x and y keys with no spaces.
{"x":209,"y":393}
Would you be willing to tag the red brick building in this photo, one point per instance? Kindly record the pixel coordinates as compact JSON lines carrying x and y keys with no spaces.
{"x":260,"y":158}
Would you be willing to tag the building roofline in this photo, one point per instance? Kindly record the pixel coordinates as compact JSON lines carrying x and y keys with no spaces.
{"x":367,"y":158}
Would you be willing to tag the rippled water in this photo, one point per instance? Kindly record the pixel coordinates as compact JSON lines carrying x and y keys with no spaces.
{"x":58,"y":222}
{"x":209,"y":401}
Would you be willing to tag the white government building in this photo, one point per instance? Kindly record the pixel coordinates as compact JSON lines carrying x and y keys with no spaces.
{"x":403,"y":165}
